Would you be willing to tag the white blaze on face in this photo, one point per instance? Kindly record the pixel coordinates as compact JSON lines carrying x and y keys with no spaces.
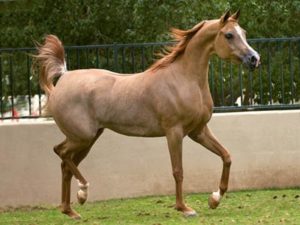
{"x":240,"y":33}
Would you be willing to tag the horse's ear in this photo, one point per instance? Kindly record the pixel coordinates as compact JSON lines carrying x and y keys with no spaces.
{"x":236,"y":15}
{"x":225,"y":17}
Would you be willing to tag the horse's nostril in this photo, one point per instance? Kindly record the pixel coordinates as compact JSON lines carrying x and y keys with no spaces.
{"x":253,"y":59}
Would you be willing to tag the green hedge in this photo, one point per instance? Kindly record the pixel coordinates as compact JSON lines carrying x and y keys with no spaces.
{"x":82,"y":22}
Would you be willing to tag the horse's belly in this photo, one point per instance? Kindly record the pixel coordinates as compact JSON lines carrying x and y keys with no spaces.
{"x":132,"y":118}
{"x":137,"y":130}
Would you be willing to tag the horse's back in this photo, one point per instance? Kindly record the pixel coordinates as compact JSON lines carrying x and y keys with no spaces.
{"x":84,"y":101}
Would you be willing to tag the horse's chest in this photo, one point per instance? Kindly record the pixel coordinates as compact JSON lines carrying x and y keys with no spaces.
{"x":200,"y":111}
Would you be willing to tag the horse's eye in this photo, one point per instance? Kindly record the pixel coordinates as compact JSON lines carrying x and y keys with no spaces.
{"x":229,"y":36}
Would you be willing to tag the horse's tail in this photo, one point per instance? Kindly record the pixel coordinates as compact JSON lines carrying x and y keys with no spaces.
{"x":50,"y":61}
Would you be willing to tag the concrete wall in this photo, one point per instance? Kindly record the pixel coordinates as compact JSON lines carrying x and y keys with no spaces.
{"x":265,"y":148}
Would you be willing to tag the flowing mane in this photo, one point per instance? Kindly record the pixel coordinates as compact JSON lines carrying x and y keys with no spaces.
{"x":169,"y":54}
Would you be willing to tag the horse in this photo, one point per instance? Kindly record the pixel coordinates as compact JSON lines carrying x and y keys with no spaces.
{"x":171,"y":98}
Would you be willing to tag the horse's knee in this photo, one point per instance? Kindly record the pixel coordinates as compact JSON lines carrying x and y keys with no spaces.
{"x":227,"y":160}
{"x":178,"y":175}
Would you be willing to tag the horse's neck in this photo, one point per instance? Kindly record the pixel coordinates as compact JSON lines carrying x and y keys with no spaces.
{"x":195,"y":59}
{"x":195,"y":68}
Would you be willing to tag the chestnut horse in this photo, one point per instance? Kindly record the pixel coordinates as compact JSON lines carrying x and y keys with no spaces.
{"x":171,"y":99}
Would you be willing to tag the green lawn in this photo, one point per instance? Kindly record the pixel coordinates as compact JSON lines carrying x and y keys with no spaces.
{"x":242,"y":208}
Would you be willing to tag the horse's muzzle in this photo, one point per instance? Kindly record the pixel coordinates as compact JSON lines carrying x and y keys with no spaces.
{"x":252,"y":60}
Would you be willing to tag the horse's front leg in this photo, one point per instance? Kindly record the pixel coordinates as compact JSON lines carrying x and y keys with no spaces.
{"x":207,"y":139}
{"x":174,"y":138}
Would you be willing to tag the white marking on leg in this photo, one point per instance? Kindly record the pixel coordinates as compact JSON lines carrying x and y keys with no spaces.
{"x":217,"y":196}
{"x":83,"y":192}
{"x":190,"y":213}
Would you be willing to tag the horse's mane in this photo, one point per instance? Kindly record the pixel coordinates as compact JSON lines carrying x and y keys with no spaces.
{"x":182,"y":37}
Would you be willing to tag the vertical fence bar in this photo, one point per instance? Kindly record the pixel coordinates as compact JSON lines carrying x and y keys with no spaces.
{"x":107,"y":57}
{"x":241,"y":84}
{"x":261,"y":100}
{"x":299,"y":55}
{"x":68,"y":60}
{"x":123,"y":60}
{"x":231,"y":86}
{"x":269,"y":74}
{"x":78,"y":58}
{"x":281,"y":76}
{"x":298,"y":44}
{"x":221,"y":81}
{"x":291,"y":72}
{"x":28,"y":83}
{"x":87,"y":58}
{"x":97,"y":58}
{"x":143,"y":57}
{"x":40,"y":100}
{"x":132,"y":59}
{"x":1,"y":88}
{"x":251,"y":87}
{"x":260,"y":77}
{"x":11,"y":84}
{"x":115,"y":55}
{"x":152,"y":53}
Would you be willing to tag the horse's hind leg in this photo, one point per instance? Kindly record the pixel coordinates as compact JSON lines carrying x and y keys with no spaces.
{"x":66,"y":180}
{"x":66,"y":192}
{"x":66,"y":186}
{"x":207,"y":139}
{"x":78,"y":154}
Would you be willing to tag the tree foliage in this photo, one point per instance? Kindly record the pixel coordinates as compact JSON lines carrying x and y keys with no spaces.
{"x":82,"y":22}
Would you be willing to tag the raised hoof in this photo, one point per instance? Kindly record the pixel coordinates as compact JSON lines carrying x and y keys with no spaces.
{"x":81,"y":197}
{"x":82,"y":193}
{"x":214,"y":200}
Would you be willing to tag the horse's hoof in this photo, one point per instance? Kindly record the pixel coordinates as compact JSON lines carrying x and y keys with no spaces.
{"x":214,"y":200}
{"x":187,"y":211}
{"x":81,"y":197}
{"x":72,"y":214}
{"x":76,"y":217}
{"x":82,"y":193}
{"x":190,"y":213}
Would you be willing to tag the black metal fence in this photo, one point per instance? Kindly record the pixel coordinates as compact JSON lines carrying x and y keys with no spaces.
{"x":275,"y":85}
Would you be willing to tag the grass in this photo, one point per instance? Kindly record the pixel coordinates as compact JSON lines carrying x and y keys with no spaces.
{"x":242,"y":208}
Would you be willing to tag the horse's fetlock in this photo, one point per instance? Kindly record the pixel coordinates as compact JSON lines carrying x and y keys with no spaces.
{"x":223,"y":189}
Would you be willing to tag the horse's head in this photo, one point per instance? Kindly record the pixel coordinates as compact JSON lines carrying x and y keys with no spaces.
{"x":230,"y":42}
